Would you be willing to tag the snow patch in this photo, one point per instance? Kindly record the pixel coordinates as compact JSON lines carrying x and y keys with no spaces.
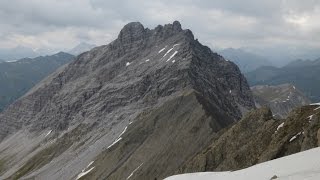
{"x":119,"y":137}
{"x":114,"y":142}
{"x":48,"y":133}
{"x":317,"y":108}
{"x":172,"y":56}
{"x":295,"y":137}
{"x":147,"y":60}
{"x":280,"y":126}
{"x":90,"y":164}
{"x":125,"y":129}
{"x":134,"y":171}
{"x":84,"y":173}
{"x":161,"y":50}
{"x":173,"y":61}
{"x":128,"y":63}
{"x":315,"y":104}
{"x":310,"y":117}
{"x":230,"y":91}
{"x":167,"y":52}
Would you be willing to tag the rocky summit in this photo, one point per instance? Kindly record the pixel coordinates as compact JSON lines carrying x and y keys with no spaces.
{"x":137,"y":108}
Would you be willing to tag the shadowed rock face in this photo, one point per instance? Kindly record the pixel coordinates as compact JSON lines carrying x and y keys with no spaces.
{"x":281,"y":99}
{"x":258,"y":138}
{"x":149,"y":99}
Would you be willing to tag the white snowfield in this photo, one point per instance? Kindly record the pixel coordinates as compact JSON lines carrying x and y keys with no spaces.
{"x":301,"y":166}
{"x":315,"y":104}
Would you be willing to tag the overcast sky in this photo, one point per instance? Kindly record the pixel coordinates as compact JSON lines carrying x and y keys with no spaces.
{"x":61,"y":24}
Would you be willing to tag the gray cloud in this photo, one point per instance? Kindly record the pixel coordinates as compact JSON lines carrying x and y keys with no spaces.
{"x":61,"y":24}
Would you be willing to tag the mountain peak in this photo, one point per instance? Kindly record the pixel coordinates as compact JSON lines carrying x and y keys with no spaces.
{"x":135,"y":31}
{"x":133,"y":26}
{"x":131,"y":32}
{"x":176,"y":25}
{"x":151,"y":81}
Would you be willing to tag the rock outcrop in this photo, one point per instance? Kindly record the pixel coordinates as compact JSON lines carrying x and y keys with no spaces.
{"x":258,"y":138}
{"x":136,"y":108}
{"x":281,"y":99}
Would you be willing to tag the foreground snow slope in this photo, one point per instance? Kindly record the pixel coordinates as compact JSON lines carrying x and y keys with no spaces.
{"x":304,"y":165}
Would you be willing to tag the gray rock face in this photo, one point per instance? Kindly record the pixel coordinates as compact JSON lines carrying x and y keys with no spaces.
{"x":137,"y":102}
{"x":256,"y":138}
{"x":281,"y":99}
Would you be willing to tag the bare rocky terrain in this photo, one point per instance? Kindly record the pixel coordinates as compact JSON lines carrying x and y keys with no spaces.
{"x":137,"y":108}
{"x":281,"y":99}
{"x":258,"y":137}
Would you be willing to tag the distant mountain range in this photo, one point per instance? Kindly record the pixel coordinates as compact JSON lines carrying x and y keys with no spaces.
{"x":282,"y":55}
{"x":246,"y":61}
{"x":19,"y":52}
{"x":304,"y":74}
{"x":80,"y":48}
{"x":301,"y":63}
{"x":16,"y":78}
